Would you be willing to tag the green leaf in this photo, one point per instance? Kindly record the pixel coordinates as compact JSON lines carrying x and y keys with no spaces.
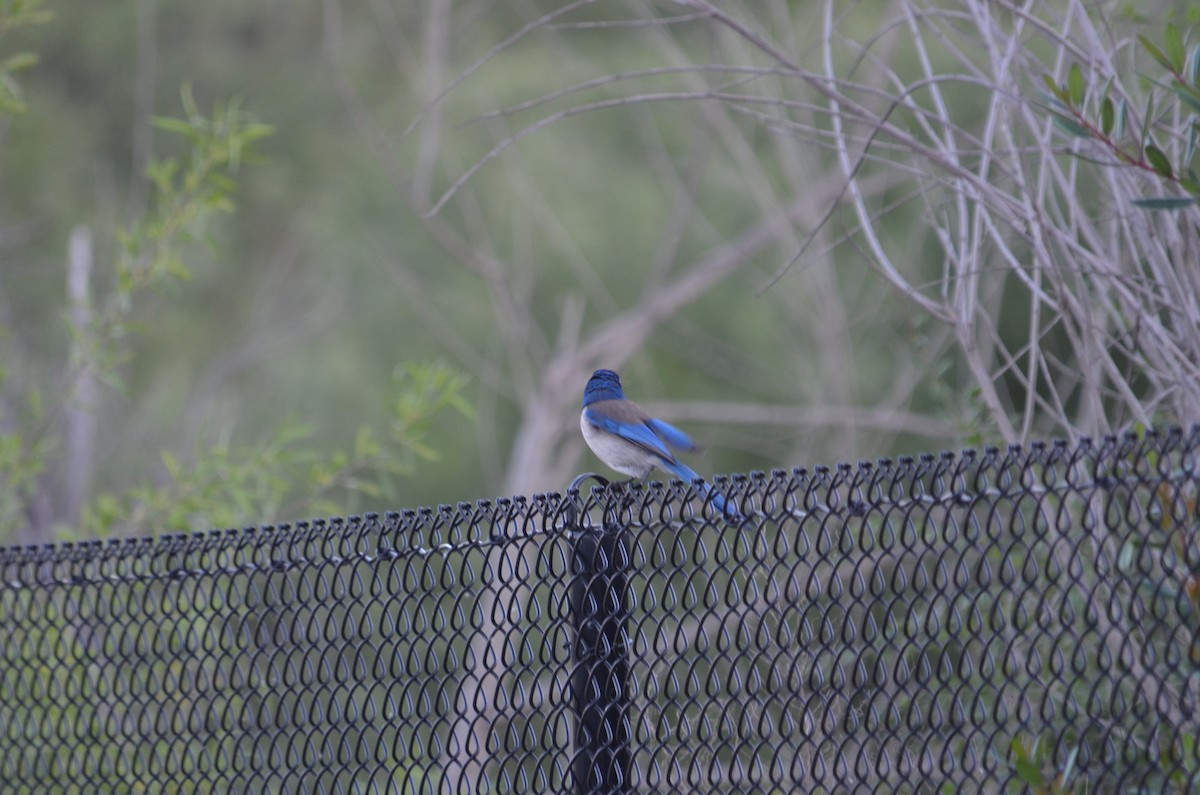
{"x":1076,"y":85}
{"x":161,"y":172}
{"x":1156,"y":53}
{"x":174,"y":265}
{"x":1028,"y":770}
{"x":1071,"y":127}
{"x":1166,"y":203}
{"x":189,"y":102}
{"x":256,"y":131}
{"x":10,"y":95}
{"x":1055,"y":89}
{"x":222,"y":183}
{"x":172,"y":465}
{"x":15,"y":15}
{"x":1107,"y":115}
{"x":1173,"y":43}
{"x":1190,"y":96}
{"x":1122,"y":121}
{"x":365,"y":444}
{"x":15,"y":63}
{"x":172,"y":125}
{"x":1069,"y":767}
{"x":1158,"y":161}
{"x":1191,"y":71}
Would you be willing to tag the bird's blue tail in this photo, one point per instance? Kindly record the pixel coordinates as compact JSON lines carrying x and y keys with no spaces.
{"x":718,"y":500}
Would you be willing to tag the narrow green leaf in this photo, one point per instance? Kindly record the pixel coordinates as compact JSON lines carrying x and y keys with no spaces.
{"x":1190,"y":96}
{"x":1156,"y":53}
{"x":10,"y":95}
{"x":1147,"y":119}
{"x":172,"y":465}
{"x":175,"y":267}
{"x":1030,"y":773}
{"x":15,"y":63}
{"x":189,"y":102}
{"x":1055,"y":89}
{"x":1071,"y":127}
{"x":172,"y":125}
{"x":1054,"y":102}
{"x":1166,"y":202}
{"x":368,"y":487}
{"x":1158,"y":161}
{"x":1191,"y":71}
{"x":222,"y":183}
{"x":1076,"y":85}
{"x":1122,"y":122}
{"x":257,"y":130}
{"x":1106,"y":115}
{"x":1069,"y":767}
{"x":1173,"y":44}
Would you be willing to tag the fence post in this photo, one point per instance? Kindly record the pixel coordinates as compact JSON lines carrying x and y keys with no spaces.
{"x":600,"y":681}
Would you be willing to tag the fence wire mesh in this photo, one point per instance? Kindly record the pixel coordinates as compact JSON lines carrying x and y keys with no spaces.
{"x":955,"y":623}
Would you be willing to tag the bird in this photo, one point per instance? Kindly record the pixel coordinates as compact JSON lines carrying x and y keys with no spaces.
{"x":629,"y":440}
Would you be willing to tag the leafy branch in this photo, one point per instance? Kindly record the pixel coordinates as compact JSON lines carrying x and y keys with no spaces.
{"x":16,"y":14}
{"x":189,"y":190}
{"x":1106,"y":120}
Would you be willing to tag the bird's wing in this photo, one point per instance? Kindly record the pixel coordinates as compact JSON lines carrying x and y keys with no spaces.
{"x":625,"y":419}
{"x":671,"y":435}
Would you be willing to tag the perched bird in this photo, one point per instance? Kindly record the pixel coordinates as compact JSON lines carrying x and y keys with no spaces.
{"x":629,"y":440}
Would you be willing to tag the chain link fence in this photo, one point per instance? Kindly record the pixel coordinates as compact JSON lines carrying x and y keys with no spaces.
{"x":1002,"y":621}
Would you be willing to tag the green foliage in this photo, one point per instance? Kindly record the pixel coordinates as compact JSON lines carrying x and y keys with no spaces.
{"x":189,"y":190}
{"x":1030,"y":764}
{"x":1104,"y":120}
{"x":16,"y":14}
{"x":22,"y":459}
{"x":421,"y":391}
{"x":222,"y":484}
{"x":289,"y":475}
{"x":1181,"y":757}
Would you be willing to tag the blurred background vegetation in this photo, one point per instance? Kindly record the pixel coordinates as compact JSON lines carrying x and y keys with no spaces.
{"x":265,"y":260}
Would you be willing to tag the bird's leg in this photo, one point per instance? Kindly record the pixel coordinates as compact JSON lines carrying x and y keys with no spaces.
{"x":639,"y":481}
{"x":633,"y":483}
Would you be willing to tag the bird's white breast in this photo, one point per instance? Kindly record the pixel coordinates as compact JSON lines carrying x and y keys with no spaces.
{"x":623,"y":456}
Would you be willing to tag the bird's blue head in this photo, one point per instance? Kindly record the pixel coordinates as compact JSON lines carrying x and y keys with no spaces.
{"x":603,"y":385}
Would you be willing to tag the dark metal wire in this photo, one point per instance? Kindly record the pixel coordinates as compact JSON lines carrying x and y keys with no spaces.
{"x":952,"y":623}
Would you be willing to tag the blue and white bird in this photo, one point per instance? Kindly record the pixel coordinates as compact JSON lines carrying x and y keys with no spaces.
{"x":629,"y":440}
